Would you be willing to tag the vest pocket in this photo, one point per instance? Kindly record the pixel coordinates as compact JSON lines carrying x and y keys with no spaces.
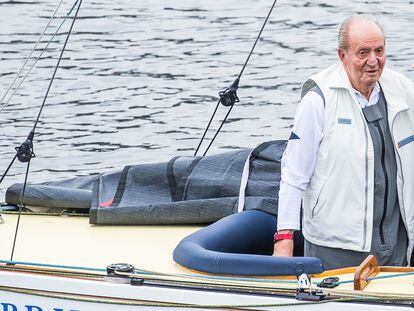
{"x":405,"y":141}
{"x":317,"y":207}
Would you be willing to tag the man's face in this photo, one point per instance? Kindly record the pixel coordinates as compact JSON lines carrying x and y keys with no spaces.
{"x":364,"y":59}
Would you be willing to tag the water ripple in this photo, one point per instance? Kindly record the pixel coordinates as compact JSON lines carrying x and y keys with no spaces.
{"x":140,"y":79}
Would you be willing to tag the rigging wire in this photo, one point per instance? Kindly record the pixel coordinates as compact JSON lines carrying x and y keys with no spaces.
{"x":25,"y":151}
{"x":58,"y":62}
{"x":20,"y":210}
{"x":4,"y":104}
{"x":218,"y":130}
{"x":228,"y":96}
{"x":208,"y":126}
{"x":31,"y":52}
{"x":22,"y":150}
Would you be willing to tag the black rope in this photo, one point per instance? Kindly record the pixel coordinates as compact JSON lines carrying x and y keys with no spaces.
{"x":218,"y":130}
{"x":3,"y":104}
{"x":257,"y":39}
{"x":58,"y":62}
{"x":20,"y":204}
{"x":229,"y":96}
{"x":208,"y":126}
{"x":25,"y":151}
{"x":8,"y":168}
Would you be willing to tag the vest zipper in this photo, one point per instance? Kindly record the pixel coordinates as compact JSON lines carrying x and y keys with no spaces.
{"x":364,"y":236}
{"x":384,"y":169}
{"x":402,"y":187}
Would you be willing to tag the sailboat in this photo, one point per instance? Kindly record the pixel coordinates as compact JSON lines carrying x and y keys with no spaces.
{"x":108,"y":242}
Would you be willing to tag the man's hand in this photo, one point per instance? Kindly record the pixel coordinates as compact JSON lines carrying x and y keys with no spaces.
{"x":283,"y":247}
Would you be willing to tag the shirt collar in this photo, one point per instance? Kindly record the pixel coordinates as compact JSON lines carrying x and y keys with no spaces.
{"x":373,"y":98}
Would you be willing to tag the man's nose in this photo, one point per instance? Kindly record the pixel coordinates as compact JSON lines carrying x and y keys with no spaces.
{"x":372,"y":59}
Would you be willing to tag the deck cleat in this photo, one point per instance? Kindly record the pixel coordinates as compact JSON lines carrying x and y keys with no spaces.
{"x":120,"y":273}
{"x":117,"y":269}
{"x":330,"y":282}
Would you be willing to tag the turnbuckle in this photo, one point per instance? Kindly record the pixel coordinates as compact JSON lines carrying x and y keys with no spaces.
{"x":229,"y":96}
{"x":25,"y":151}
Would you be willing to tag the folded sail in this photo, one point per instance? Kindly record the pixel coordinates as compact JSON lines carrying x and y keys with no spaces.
{"x":184,"y":190}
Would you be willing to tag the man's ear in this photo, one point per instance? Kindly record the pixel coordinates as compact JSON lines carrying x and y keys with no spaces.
{"x":341,"y":54}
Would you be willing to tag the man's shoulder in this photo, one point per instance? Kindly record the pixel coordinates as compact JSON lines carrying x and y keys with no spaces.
{"x":391,"y":76}
{"x":329,"y":70}
{"x":397,"y":85}
{"x":332,"y":77}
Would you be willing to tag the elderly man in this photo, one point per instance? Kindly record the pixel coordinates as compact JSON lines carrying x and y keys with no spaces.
{"x":350,"y":158}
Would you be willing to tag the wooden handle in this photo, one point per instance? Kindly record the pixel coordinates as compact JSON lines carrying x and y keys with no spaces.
{"x":368,"y":268}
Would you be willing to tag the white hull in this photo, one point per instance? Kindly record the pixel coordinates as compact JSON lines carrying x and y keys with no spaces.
{"x":33,"y":292}
{"x":23,"y":302}
{"x":64,"y":245}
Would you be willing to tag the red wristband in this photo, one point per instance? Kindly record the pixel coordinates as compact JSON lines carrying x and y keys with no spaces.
{"x":283,"y":236}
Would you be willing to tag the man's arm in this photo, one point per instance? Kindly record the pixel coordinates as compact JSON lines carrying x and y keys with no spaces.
{"x":298,"y":164}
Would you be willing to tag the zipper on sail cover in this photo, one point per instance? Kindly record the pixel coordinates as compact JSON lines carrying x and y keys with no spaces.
{"x":384,"y":213}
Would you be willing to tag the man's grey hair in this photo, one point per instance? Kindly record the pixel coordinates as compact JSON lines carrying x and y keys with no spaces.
{"x":343,"y":36}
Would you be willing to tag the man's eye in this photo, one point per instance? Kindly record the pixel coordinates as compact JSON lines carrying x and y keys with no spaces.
{"x":362,"y":53}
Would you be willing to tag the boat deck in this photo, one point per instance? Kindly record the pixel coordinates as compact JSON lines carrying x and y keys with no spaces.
{"x":72,"y":241}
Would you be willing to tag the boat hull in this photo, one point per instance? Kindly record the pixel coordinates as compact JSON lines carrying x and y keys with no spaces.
{"x":37,"y":291}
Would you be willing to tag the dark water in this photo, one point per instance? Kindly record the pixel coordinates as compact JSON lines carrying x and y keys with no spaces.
{"x":140,"y":79}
